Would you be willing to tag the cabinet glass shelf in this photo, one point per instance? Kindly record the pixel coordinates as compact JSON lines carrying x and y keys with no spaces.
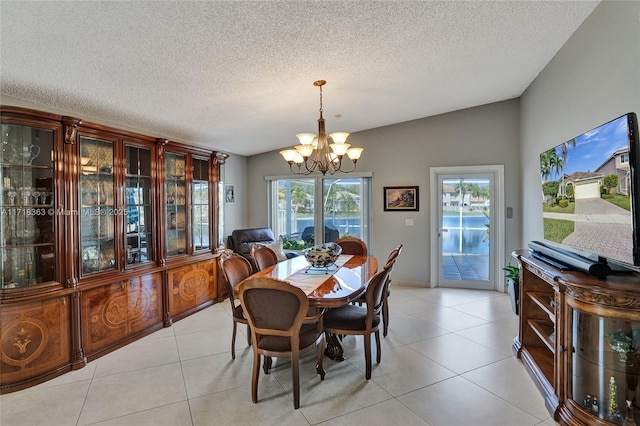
{"x":97,"y":205}
{"x":138,"y":207}
{"x":175,"y":204}
{"x":27,"y":220}
{"x":200,"y":204}
{"x":605,"y":365}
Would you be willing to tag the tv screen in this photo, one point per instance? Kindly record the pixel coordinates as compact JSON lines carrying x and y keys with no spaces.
{"x":590,"y":193}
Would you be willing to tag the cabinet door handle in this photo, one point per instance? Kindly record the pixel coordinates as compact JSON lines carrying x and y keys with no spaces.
{"x":561,"y":348}
{"x":123,"y":284}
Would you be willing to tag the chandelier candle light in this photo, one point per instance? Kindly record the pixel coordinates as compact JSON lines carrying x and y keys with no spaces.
{"x":314,"y":151}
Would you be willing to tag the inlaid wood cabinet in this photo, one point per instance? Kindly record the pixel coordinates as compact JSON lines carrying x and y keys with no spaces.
{"x":191,"y":285}
{"x":579,"y":338}
{"x":36,"y":339}
{"x":105,"y":236}
{"x":118,"y":311}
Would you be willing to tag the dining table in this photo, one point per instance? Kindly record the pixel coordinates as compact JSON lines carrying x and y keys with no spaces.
{"x":327,"y":287}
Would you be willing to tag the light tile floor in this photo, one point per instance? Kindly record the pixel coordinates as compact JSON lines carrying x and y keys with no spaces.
{"x":446,"y":361}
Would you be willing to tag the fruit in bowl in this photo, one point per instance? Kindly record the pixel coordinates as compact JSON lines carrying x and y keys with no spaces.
{"x":322,"y":256}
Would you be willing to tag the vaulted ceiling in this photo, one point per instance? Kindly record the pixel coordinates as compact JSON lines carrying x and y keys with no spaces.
{"x":238,"y":76}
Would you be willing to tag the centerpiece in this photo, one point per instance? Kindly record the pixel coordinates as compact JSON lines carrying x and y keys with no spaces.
{"x":322,"y":256}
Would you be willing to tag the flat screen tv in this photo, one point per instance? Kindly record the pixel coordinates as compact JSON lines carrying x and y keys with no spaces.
{"x":591,"y":199}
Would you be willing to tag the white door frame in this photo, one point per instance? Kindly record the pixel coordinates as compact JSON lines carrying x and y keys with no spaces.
{"x":497,"y":233}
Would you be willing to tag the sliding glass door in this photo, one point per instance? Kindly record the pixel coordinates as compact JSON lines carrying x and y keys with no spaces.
{"x":298,"y":205}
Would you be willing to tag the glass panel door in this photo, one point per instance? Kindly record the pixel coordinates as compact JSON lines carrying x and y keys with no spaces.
{"x":175,"y":204}
{"x":139,"y":211}
{"x":200,"y":204}
{"x":464,"y":231}
{"x":294,"y":221}
{"x":342,"y":208}
{"x":27,"y":218}
{"x":97,"y":202}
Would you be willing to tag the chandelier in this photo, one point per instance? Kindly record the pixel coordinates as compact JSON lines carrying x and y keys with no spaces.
{"x":313,"y":153}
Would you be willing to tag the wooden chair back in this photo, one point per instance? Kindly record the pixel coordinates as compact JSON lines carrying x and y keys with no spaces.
{"x":276,"y":312}
{"x":352,"y":245}
{"x":263,"y":256}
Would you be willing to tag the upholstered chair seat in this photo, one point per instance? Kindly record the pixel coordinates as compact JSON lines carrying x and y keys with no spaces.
{"x":350,"y":317}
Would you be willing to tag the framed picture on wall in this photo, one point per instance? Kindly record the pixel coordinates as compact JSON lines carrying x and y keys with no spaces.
{"x":229,"y":194}
{"x":401,"y":198}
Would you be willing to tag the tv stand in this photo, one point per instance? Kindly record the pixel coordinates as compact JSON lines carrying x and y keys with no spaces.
{"x":567,"y":260}
{"x":566,"y":334}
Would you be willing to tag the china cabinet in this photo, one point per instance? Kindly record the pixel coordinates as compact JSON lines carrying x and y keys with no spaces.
{"x":579,"y":338}
{"x":105,"y":237}
{"x":192,"y":275}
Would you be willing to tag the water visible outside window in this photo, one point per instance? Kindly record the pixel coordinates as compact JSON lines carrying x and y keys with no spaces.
{"x":465,"y":229}
{"x":300,"y":207}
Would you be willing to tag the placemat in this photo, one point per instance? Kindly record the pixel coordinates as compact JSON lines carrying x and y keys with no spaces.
{"x":308,"y":279}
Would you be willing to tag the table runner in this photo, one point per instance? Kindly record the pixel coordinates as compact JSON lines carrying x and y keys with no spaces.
{"x":309,"y":279}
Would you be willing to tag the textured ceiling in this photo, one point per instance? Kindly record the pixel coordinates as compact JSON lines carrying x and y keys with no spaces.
{"x":238,"y":76}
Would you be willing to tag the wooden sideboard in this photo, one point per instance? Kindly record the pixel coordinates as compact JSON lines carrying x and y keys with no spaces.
{"x":105,"y":237}
{"x":579,"y":339}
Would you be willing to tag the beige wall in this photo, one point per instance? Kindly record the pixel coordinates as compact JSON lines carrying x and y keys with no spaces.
{"x":594,"y":78}
{"x":235,"y":173}
{"x":401,"y":154}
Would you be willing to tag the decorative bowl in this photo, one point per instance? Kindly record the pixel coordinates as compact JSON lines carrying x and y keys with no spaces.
{"x":322,"y":256}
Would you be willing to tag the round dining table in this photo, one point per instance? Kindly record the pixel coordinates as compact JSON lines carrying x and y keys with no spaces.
{"x":331,"y":287}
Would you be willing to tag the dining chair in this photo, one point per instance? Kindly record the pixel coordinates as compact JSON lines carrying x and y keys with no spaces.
{"x":263,"y":256}
{"x":352,"y":245}
{"x":385,"y":303}
{"x":387,"y":292}
{"x":361,"y":320}
{"x":281,"y":332}
{"x":235,"y":269}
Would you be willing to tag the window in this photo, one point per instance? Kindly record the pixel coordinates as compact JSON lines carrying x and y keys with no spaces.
{"x":624,"y":158}
{"x":294,"y":206}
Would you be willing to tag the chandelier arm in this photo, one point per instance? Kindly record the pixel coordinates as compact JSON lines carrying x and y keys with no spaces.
{"x":299,"y":171}
{"x":312,"y":168}
{"x":348,"y":171}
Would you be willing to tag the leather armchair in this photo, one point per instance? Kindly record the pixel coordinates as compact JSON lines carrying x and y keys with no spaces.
{"x":241,"y":240}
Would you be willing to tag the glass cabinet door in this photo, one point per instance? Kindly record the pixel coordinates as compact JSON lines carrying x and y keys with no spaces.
{"x":27,"y":215}
{"x":605,"y":367}
{"x":97,"y":202}
{"x":139,"y":212}
{"x":200,"y":204}
{"x":175,"y":204}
